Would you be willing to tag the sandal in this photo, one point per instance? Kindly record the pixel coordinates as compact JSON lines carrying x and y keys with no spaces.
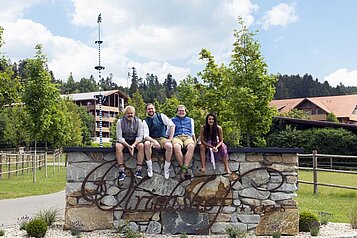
{"x":202,"y":170}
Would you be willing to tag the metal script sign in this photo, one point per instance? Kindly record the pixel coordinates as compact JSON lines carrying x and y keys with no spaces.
{"x":102,"y":189}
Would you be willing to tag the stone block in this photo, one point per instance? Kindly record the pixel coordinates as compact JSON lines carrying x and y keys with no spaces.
{"x":154,"y":228}
{"x":189,"y":222}
{"x":220,"y":217}
{"x":248,"y":218}
{"x":274,"y":158}
{"x":290,"y":158}
{"x":287,"y":220}
{"x":220,"y":227}
{"x":239,"y":157}
{"x":254,"y":158}
{"x":88,"y":218}
{"x":254,"y":193}
{"x":74,"y":189}
{"x":278,"y":196}
{"x":137,"y":216}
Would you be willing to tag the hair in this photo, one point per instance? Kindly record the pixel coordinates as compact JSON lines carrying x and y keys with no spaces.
{"x":149,"y":104}
{"x":181,"y":105}
{"x":214,"y":129}
{"x":128,"y":108}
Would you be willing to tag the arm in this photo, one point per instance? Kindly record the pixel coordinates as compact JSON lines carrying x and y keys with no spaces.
{"x":120,"y":133}
{"x":203,"y":139}
{"x":220,"y":137}
{"x":139,"y":133}
{"x":171,"y":126}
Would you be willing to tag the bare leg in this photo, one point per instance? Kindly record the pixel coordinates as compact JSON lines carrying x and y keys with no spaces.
{"x":119,"y":154}
{"x":148,"y":150}
{"x":140,"y":157}
{"x":178,"y":153}
{"x":189,"y":154}
{"x":168,"y":151}
{"x":225,"y":162}
{"x":203,"y":157}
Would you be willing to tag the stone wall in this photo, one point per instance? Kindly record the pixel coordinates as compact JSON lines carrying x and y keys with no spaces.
{"x":257,"y":195}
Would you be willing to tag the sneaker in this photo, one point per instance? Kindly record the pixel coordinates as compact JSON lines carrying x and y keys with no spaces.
{"x":150,"y":172}
{"x":138,"y":174}
{"x":187,"y":175}
{"x":121,"y":176}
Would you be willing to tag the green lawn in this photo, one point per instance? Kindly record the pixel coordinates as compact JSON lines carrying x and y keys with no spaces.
{"x":22,"y":186}
{"x":335,"y":201}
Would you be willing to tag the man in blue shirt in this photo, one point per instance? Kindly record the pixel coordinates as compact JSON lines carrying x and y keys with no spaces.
{"x":158,"y":133}
{"x":184,"y":137}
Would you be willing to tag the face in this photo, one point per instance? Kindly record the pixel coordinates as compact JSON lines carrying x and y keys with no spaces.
{"x":210,"y":120}
{"x":181,"y":112}
{"x":130,"y":114}
{"x":150,"y":110}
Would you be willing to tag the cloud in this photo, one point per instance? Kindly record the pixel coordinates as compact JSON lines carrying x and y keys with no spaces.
{"x":342,"y":76}
{"x":280,"y":15}
{"x":235,"y":8}
{"x":12,"y":10}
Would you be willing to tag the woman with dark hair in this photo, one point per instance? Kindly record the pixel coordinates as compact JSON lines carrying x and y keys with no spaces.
{"x":211,"y":136}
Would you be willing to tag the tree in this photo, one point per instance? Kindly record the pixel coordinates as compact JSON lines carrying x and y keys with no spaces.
{"x":134,"y":86}
{"x":40,"y":97}
{"x":1,"y":39}
{"x":295,"y":113}
{"x":15,"y":131}
{"x":243,"y":89}
{"x":250,"y":87}
{"x":138,"y":103}
{"x":332,"y":117}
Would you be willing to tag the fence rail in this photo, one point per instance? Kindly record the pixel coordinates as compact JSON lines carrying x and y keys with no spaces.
{"x":315,"y":156}
{"x":15,"y":164}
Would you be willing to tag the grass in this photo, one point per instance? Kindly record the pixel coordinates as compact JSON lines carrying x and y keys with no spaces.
{"x":22,"y":186}
{"x":334,"y":201}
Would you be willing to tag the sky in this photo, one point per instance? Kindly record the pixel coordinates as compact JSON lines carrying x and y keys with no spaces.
{"x":159,"y":36}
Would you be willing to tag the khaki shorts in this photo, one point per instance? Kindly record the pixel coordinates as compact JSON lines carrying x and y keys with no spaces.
{"x":184,"y":141}
{"x":161,"y":141}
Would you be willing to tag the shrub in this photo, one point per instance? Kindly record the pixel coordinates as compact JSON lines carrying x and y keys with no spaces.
{"x":324,"y":140}
{"x":50,"y":216}
{"x":22,"y":221}
{"x":235,"y":232}
{"x":2,"y":232}
{"x":324,"y":217}
{"x":36,"y":228}
{"x":306,"y":220}
{"x":314,"y":228}
{"x":76,"y":228}
{"x":353,"y":216}
{"x":183,"y":235}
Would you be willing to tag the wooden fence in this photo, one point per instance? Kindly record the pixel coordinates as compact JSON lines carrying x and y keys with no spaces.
{"x":15,"y":164}
{"x":315,"y":156}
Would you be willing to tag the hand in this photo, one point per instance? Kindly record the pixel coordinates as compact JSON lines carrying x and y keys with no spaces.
{"x":156,"y":145}
{"x":131,"y":150}
{"x":215,"y":149}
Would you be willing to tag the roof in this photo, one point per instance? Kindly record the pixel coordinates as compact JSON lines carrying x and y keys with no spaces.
{"x":341,"y":106}
{"x":92,"y":95}
{"x":306,"y":124}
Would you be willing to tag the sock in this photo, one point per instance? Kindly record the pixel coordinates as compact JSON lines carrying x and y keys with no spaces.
{"x":138,"y":167}
{"x":121,"y":169}
{"x":167,"y":164}
{"x":149,"y":163}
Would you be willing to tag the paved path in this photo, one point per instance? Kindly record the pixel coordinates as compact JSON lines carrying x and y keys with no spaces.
{"x":12,"y":209}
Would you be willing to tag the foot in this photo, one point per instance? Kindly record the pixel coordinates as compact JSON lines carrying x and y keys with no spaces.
{"x":121,"y":176}
{"x":138,"y":174}
{"x":150,"y":172}
{"x":202,"y":170}
{"x":228,"y":171}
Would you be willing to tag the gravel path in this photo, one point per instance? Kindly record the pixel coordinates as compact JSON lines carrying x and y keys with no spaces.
{"x":329,"y":230}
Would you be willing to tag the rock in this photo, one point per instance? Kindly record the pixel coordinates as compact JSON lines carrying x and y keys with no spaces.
{"x":154,"y":228}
